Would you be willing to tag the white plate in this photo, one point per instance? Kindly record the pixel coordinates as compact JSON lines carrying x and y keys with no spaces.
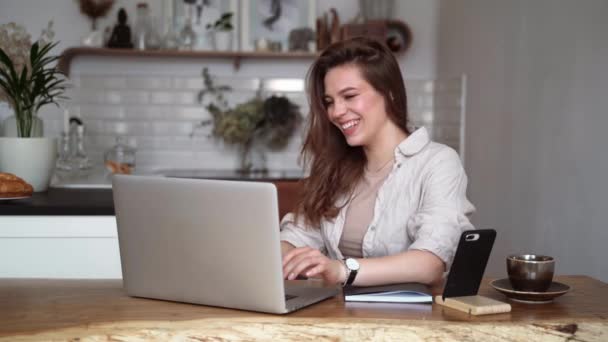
{"x":14,"y":198}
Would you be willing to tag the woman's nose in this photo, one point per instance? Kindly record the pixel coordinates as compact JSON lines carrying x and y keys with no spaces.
{"x":337,"y":109}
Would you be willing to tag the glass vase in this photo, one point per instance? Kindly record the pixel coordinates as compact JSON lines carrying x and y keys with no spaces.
{"x":252,"y":159}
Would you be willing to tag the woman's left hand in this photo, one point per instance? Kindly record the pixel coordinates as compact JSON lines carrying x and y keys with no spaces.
{"x":311,"y":262}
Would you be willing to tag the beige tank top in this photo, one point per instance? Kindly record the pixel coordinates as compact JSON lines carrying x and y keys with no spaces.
{"x":361,"y":211}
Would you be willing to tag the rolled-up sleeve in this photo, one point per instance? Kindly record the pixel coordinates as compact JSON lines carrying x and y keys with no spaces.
{"x":299,"y":235}
{"x":442,"y":215}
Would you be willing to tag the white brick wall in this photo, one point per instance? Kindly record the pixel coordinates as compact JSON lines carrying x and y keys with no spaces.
{"x":154,"y":102}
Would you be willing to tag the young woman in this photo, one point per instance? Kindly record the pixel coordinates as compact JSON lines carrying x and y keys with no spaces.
{"x":382,"y":204}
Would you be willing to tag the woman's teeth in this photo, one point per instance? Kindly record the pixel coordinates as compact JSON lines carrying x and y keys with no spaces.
{"x":350,"y":124}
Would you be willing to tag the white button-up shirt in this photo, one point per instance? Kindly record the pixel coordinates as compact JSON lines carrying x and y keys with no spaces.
{"x":421,"y":205}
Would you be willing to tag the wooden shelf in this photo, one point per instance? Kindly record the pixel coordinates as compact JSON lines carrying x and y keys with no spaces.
{"x":237,"y":56}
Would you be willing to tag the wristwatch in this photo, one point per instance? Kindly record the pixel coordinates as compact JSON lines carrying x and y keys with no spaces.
{"x":352,"y":267}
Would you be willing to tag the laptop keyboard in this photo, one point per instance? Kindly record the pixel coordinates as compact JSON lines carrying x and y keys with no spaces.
{"x":288,"y":297}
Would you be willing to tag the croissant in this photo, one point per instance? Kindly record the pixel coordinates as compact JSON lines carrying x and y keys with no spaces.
{"x":13,"y":186}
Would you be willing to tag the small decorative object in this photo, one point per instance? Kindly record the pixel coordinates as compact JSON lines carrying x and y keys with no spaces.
{"x":222,"y":32}
{"x":375,"y":29}
{"x":95,"y":9}
{"x":121,"y":34}
{"x":171,"y":39}
{"x":154,"y":41}
{"x":187,"y":36}
{"x":376,"y":9}
{"x":224,"y":23}
{"x":334,"y":30}
{"x":273,"y":20}
{"x":141,"y":27}
{"x":28,"y":81}
{"x":253,"y":125}
{"x":399,"y":36}
{"x":300,"y":38}
{"x":78,"y":155}
{"x":261,"y":44}
{"x":322,"y":40}
{"x":120,"y":158}
{"x":145,"y":34}
{"x":73,"y":159}
{"x":328,"y":30}
{"x":275,"y":46}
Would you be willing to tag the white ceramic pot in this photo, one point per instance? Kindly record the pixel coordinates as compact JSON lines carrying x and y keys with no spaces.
{"x":222,"y":40}
{"x":9,"y":127}
{"x":32,"y":159}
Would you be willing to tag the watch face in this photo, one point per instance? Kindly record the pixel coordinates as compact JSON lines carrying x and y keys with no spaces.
{"x":352,"y":264}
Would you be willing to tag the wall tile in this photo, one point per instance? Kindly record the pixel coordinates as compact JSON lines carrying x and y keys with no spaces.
{"x":161,"y":97}
{"x":101,"y":112}
{"x":188,"y":83}
{"x":127,"y":97}
{"x":149,"y":82}
{"x":161,"y":115}
{"x":99,"y":82}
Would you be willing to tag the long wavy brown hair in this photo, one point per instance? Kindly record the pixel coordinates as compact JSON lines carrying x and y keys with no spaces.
{"x":335,"y":167}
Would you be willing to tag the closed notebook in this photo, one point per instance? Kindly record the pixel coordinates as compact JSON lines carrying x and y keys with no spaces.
{"x":396,"y":293}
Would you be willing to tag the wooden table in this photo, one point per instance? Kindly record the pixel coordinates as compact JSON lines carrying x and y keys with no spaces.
{"x":100,"y":310}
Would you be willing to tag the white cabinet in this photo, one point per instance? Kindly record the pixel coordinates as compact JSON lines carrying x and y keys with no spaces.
{"x":59,"y":247}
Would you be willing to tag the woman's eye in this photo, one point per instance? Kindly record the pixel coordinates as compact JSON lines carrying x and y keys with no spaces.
{"x":349,"y":96}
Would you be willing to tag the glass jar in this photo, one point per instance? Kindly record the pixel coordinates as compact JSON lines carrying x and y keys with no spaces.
{"x":153,"y":38}
{"x":120,"y":158}
{"x":141,"y":27}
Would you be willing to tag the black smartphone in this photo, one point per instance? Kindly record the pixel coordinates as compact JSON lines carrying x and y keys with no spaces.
{"x":470,"y":262}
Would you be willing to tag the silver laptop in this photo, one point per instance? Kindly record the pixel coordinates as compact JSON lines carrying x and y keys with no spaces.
{"x":209,"y":242}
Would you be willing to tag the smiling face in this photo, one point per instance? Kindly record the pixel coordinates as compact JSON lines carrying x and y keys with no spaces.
{"x":354,"y":106}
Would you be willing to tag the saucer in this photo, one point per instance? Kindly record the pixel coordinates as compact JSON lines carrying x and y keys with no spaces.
{"x":555,"y":290}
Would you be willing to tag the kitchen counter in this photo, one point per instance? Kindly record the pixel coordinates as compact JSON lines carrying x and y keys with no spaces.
{"x":62,"y":202}
{"x":92,"y":195}
{"x":99,"y":179}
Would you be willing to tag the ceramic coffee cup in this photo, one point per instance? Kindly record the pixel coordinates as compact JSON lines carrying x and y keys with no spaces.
{"x":530,"y":272}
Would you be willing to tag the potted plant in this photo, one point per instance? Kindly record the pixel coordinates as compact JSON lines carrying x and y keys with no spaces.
{"x":221,"y":32}
{"x":29,"y":80}
{"x":254,"y":126}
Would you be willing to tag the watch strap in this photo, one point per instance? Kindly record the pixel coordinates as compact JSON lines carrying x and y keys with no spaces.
{"x":352,"y":274}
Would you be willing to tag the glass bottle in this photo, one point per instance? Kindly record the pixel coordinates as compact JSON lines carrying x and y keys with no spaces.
{"x":120,"y":158}
{"x":141,"y":27}
{"x":187,"y":36}
{"x":170,"y":40}
{"x":79,"y":157}
{"x":64,"y":163}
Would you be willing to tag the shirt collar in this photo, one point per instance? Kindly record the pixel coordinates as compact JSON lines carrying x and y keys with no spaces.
{"x":414,"y":143}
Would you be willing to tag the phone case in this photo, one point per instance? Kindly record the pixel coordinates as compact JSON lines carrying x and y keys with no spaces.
{"x":469,"y":263}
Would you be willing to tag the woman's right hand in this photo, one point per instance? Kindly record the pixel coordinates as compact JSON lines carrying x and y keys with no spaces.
{"x":310,"y":262}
